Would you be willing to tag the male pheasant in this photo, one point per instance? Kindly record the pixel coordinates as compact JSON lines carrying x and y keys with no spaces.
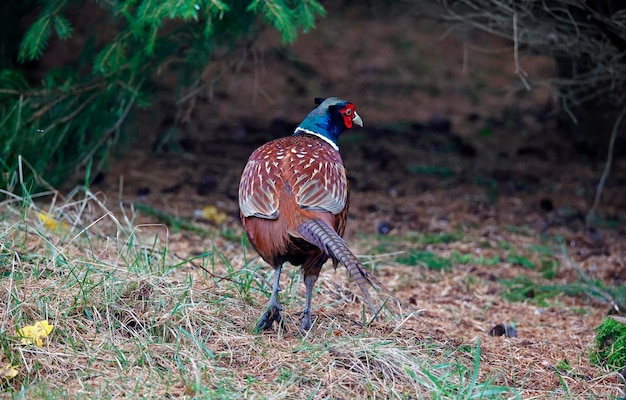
{"x":293,"y":199}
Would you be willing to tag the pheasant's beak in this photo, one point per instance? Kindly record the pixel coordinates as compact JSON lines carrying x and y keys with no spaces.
{"x":357,"y":120}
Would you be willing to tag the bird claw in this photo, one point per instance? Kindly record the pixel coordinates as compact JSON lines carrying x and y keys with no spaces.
{"x":306,"y":322}
{"x":267,"y":320}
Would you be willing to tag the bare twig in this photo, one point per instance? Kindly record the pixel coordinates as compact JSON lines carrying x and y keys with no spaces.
{"x":591,"y":215}
{"x":518,"y":70}
{"x":560,"y":28}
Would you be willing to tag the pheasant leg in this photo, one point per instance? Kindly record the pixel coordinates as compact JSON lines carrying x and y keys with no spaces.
{"x":309,"y":283}
{"x":273,"y":307}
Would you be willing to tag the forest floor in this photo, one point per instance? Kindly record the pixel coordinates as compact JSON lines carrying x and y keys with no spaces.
{"x":467,"y":202}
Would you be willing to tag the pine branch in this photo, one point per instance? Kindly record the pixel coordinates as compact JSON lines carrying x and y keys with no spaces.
{"x":37,"y":36}
{"x":78,"y":113}
{"x":35,"y":40}
{"x":62,"y":26}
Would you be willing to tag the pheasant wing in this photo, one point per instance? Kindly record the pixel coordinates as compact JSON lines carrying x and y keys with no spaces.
{"x":258,"y":187}
{"x":321,"y":185}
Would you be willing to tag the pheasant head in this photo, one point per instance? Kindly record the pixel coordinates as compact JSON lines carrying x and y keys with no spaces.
{"x":329,"y":119}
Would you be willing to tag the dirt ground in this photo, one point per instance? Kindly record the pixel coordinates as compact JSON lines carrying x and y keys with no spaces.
{"x":451,"y":144}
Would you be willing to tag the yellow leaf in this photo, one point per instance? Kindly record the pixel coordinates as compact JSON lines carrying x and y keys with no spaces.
{"x":33,"y":334}
{"x":50,"y":222}
{"x":8,"y":371}
{"x":212,"y":214}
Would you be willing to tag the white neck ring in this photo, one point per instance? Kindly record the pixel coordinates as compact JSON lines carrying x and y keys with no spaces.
{"x":324,"y":138}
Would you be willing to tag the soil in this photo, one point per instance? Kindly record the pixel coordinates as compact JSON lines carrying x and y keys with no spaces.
{"x":452,"y":143}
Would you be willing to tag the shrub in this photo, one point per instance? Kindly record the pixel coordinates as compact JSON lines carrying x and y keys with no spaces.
{"x":78,"y":112}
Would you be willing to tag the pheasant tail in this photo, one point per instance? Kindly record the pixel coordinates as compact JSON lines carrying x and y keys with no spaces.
{"x":323,"y":236}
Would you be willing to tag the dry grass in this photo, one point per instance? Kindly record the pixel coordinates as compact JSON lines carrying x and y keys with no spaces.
{"x":133,"y":320}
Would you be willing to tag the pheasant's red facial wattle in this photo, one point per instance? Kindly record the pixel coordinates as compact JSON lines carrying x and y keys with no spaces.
{"x":350,"y":116}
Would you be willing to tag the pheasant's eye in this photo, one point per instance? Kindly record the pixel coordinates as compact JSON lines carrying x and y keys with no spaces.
{"x":348,"y":112}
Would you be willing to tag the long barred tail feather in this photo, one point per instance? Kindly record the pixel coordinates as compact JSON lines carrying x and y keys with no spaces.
{"x":323,"y":236}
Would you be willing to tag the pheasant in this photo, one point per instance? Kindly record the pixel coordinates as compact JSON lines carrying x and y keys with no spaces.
{"x":293,"y":201}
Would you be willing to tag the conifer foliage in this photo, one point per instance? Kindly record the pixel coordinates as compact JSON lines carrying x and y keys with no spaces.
{"x":76,"y":114}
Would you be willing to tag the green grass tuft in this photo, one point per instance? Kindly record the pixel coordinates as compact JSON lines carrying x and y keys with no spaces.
{"x":610,"y":346}
{"x":426,"y":259}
